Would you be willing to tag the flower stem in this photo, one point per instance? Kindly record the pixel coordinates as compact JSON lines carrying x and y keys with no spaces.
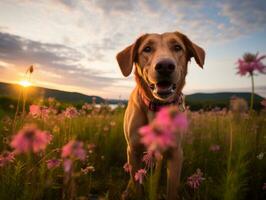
{"x":24,"y":101}
{"x":155,"y":178}
{"x":252,"y":93}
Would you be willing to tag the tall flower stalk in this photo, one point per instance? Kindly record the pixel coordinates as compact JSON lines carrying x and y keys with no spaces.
{"x":28,"y":78}
{"x":23,"y":95}
{"x":249,"y":64}
{"x":161,"y":135}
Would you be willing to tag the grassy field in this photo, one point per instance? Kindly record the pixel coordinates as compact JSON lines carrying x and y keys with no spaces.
{"x":229,"y":148}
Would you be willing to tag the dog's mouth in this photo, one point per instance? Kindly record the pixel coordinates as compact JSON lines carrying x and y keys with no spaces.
{"x":163,"y":89}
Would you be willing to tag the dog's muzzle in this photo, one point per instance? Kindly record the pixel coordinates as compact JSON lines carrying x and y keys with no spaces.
{"x":163,"y":89}
{"x":164,"y":86}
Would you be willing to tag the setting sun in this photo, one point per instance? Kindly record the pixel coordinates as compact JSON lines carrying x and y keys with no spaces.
{"x":25,"y":83}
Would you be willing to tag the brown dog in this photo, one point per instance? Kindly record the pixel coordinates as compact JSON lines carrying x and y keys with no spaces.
{"x":160,"y":70}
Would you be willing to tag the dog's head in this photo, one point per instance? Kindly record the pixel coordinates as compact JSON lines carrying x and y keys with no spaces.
{"x":161,"y":62}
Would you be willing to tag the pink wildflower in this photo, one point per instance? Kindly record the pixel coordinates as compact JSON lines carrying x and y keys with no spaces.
{"x":30,"y":138}
{"x":88,"y":169}
{"x":74,"y":149}
{"x":6,"y":157}
{"x":148,"y":159}
{"x":40,"y":111}
{"x":139,"y":175}
{"x":162,"y":133}
{"x":127,"y":167}
{"x":87,"y":106}
{"x":71,"y":112}
{"x":67,"y":165}
{"x":170,"y":118}
{"x":53,"y":163}
{"x":214,"y":148}
{"x":264,"y":186}
{"x":251,"y":63}
{"x":35,"y":110}
{"x":195,"y":179}
{"x":155,"y":138}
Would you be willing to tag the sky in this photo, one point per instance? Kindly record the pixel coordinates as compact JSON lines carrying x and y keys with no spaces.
{"x":72,"y":44}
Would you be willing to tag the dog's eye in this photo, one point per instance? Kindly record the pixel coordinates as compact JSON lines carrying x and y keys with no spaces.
{"x":147,"y":49}
{"x":177,"y":47}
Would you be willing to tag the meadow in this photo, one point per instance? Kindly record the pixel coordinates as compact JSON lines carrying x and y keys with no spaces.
{"x":223,"y":149}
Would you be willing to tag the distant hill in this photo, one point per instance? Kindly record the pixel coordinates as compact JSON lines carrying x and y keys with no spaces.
{"x":220,"y":99}
{"x":221,"y":96}
{"x":13,"y":90}
{"x":196,"y":101}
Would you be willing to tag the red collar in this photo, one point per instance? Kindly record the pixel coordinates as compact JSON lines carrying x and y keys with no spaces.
{"x":155,"y":106}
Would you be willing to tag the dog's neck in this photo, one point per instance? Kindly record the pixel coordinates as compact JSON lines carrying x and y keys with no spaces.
{"x":154,"y":104}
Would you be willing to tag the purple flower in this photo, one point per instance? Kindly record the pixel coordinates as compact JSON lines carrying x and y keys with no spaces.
{"x":264,"y":186}
{"x":195,"y":179}
{"x":6,"y":157}
{"x":162,"y":133}
{"x":74,"y":150}
{"x":149,"y":159}
{"x":41,"y":111}
{"x":71,"y":112}
{"x":88,"y":169}
{"x":87,"y":106}
{"x":30,"y":138}
{"x":67,"y":165}
{"x":139,"y":175}
{"x":35,"y":110}
{"x":127,"y":167}
{"x":214,"y":148}
{"x":251,"y":63}
{"x":53,"y":163}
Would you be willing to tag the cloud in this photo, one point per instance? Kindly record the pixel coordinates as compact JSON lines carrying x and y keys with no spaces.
{"x":58,"y":60}
{"x":205,"y":21}
{"x":116,"y":6}
{"x":97,"y":51}
{"x":13,"y":47}
{"x":246,"y":15}
{"x":70,"y":4}
{"x":81,"y":38}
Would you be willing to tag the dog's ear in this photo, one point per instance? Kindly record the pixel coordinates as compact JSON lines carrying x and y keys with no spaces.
{"x":195,"y":51}
{"x":127,"y":57}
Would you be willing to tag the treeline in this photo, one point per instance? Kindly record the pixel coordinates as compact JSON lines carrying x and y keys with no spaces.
{"x":218,"y":104}
{"x":9,"y":105}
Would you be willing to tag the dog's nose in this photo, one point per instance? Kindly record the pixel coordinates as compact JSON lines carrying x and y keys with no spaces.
{"x":165,"y":67}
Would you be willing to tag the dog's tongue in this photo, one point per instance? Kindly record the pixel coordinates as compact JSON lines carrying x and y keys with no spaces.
{"x":163,"y":87}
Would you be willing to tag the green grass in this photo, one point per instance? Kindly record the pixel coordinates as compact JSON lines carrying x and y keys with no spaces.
{"x":234,"y":172}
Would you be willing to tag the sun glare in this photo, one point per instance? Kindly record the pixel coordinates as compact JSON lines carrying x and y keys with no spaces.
{"x":25,"y":83}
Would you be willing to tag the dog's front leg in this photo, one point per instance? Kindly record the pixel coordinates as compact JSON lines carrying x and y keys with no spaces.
{"x":174,"y":167}
{"x":134,"y":159}
{"x":134,"y":189}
